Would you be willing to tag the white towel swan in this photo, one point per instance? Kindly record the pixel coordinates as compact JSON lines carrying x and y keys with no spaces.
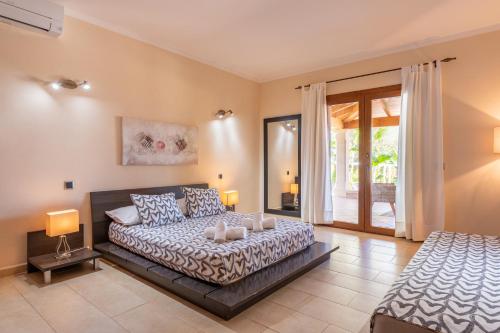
{"x":233,"y":233}
{"x":220,"y":232}
{"x":267,"y":223}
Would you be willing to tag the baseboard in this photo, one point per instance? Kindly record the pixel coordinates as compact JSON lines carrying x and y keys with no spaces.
{"x":11,"y":270}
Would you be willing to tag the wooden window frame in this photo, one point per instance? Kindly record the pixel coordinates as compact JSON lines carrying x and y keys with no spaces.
{"x":364,"y":98}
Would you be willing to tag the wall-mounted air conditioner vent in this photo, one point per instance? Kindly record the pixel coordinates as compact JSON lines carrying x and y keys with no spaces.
{"x":41,"y":15}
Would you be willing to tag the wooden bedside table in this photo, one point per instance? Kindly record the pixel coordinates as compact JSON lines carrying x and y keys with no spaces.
{"x":47,"y":262}
{"x":41,"y":256}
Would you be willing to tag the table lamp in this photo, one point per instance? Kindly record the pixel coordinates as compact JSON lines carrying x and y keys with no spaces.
{"x":60,"y":224}
{"x":294,"y":189}
{"x":230,"y":199}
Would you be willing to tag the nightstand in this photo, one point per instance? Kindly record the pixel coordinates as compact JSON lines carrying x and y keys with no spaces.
{"x":47,"y":262}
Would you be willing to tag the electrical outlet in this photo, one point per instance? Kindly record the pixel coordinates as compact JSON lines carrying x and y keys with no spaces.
{"x":69,"y":185}
{"x":220,"y":175}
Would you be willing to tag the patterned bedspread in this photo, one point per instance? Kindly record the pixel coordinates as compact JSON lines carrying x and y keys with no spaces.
{"x":182,"y":247}
{"x":451,"y":285}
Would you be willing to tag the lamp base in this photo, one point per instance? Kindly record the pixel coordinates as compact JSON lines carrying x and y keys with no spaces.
{"x":231,"y":208}
{"x":63,"y":253}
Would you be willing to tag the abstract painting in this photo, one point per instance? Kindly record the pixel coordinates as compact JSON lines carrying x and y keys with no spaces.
{"x":156,"y":143}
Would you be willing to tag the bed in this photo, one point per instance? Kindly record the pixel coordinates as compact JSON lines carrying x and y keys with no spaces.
{"x":223,"y":279}
{"x":182,"y":247}
{"x":450,"y":285}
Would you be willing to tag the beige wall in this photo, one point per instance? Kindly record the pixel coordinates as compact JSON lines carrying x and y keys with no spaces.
{"x":471,"y":88}
{"x":47,"y":137}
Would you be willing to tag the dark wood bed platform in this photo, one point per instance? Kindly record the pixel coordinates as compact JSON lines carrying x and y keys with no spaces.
{"x":223,"y":301}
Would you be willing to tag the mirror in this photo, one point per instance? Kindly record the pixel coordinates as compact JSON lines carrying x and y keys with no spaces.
{"x":282,"y":165}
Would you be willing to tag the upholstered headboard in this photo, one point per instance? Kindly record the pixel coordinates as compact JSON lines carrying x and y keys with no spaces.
{"x":102,"y":201}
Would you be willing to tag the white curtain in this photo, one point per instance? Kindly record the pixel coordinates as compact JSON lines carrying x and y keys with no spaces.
{"x":316,"y":193}
{"x":419,"y":191}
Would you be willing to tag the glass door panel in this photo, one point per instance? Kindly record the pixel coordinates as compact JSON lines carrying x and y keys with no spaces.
{"x":345,"y":163}
{"x":383,"y":166}
{"x":364,"y":158}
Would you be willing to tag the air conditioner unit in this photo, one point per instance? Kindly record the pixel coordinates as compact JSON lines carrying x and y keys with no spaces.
{"x":40,"y":15}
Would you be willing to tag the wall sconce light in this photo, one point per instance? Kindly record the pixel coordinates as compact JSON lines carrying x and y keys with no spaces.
{"x":223,"y":114}
{"x":496,"y":140}
{"x":70,"y":84}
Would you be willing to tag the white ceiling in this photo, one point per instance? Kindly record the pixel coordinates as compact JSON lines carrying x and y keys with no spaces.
{"x":268,"y":39}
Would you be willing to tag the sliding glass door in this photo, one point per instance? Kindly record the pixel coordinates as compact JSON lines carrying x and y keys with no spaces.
{"x":364,"y":147}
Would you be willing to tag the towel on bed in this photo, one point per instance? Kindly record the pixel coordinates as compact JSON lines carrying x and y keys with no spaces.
{"x":220,"y":232}
{"x":267,"y":223}
{"x":233,"y":233}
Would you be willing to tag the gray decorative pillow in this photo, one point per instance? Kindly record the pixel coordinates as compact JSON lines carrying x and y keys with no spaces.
{"x":157,"y":210}
{"x":203,"y":202}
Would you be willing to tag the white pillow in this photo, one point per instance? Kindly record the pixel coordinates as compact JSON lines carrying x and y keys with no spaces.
{"x":125,"y":215}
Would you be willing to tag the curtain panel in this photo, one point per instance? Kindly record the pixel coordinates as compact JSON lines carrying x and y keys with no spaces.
{"x":420,"y":186}
{"x":316,"y":193}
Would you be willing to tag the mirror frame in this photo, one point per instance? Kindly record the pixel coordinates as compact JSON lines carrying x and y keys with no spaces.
{"x":297,"y":117}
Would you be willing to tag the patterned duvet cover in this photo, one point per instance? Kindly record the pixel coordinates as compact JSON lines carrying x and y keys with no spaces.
{"x":182,"y":247}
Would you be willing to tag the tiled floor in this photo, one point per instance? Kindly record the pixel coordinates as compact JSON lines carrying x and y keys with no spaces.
{"x":336,"y":297}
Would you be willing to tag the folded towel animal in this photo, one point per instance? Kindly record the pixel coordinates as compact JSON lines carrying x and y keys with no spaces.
{"x":233,"y":233}
{"x":236,"y":233}
{"x":220,"y":232}
{"x":247,"y":222}
{"x":257,"y":225}
{"x":267,"y":223}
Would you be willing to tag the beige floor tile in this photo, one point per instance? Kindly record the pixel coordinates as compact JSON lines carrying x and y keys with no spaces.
{"x":242,"y":324}
{"x":343,"y":257}
{"x":386,"y":278}
{"x":385,"y":242}
{"x":200,"y":319}
{"x":352,"y":269}
{"x":284,"y":320}
{"x":325,"y":290}
{"x":401,"y":260}
{"x":360,"y":285}
{"x":134,"y":284}
{"x":384,"y":250}
{"x":107,"y":295}
{"x":153,"y":318}
{"x":17,"y":315}
{"x":289,"y":297}
{"x":321,"y":274}
{"x":365,"y":303}
{"x":353,"y":251}
{"x":379,"y":266}
{"x":66,"y":311}
{"x":377,"y":256}
{"x":334,"y":329}
{"x":365,"y":328}
{"x":335,"y":314}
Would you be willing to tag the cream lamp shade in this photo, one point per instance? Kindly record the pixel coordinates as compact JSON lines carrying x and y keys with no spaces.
{"x":294,"y":188}
{"x":62,"y":222}
{"x":230,"y":198}
{"x":496,"y":140}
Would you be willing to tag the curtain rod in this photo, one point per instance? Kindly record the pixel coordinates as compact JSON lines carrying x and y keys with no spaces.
{"x":375,"y":73}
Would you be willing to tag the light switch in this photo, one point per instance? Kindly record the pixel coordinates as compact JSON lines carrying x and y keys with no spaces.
{"x":68,"y":185}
